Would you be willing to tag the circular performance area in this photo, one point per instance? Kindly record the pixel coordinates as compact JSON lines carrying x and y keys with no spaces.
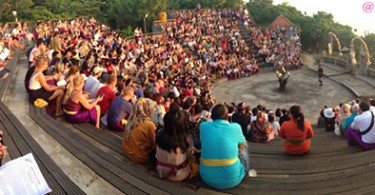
{"x":302,"y":89}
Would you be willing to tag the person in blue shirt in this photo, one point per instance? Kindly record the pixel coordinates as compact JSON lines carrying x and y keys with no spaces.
{"x":224,"y":154}
{"x":349,"y":120}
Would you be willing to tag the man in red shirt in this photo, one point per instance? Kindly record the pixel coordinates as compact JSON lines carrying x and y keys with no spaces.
{"x":108,"y":92}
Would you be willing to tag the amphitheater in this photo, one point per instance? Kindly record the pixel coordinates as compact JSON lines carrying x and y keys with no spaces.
{"x":79,"y":159}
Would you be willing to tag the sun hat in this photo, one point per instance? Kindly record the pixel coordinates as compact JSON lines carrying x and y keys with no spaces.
{"x":328,"y":113}
{"x":97,"y":70}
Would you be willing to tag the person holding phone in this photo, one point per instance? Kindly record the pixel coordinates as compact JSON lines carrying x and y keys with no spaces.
{"x":79,"y":109}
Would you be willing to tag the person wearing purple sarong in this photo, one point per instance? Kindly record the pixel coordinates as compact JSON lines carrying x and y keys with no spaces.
{"x":79,"y":109}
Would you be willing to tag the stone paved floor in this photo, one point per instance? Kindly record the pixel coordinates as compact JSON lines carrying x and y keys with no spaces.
{"x":302,"y":89}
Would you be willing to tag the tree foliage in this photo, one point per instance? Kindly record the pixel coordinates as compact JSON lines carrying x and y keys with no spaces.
{"x":126,"y":15}
{"x":370,"y":41}
{"x":314,"y":30}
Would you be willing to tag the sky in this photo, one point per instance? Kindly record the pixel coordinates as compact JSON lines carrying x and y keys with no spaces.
{"x":356,"y":13}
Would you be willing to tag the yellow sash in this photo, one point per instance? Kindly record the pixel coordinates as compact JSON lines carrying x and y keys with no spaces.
{"x":218,"y":162}
{"x":70,"y":112}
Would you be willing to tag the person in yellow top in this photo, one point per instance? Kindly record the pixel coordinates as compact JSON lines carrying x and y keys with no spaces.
{"x":139,"y":137}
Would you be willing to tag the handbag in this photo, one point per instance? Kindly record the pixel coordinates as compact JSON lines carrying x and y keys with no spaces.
{"x":337,"y":130}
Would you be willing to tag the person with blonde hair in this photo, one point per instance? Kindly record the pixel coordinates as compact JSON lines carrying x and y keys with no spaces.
{"x":139,"y":137}
{"x":79,"y":109}
{"x":39,"y":88}
{"x":343,"y":114}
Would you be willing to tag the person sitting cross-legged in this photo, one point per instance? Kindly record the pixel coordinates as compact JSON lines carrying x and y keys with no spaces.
{"x":79,"y":109}
{"x":225,"y":157}
{"x":362,"y":130}
{"x":139,"y":136}
{"x":297,"y":132}
{"x":174,"y":147}
{"x":120,"y":109}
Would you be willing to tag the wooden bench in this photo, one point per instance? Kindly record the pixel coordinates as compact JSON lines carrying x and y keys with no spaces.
{"x":331,"y":167}
{"x":20,"y":142}
{"x":120,"y":172}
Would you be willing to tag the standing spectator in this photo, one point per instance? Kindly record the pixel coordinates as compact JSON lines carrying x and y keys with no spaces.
{"x":297,"y":132}
{"x":224,"y":157}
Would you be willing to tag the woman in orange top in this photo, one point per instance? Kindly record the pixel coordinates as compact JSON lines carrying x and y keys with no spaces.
{"x":297,"y":132}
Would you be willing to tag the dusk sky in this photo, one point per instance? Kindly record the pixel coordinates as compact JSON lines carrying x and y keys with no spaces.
{"x":347,"y":12}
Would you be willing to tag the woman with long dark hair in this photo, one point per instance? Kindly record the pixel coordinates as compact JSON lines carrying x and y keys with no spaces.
{"x":174,"y":147}
{"x":297,"y":132}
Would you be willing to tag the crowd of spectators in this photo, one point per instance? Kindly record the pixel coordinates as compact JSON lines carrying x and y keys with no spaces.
{"x":276,"y":46}
{"x":158,"y":90}
{"x":353,"y":120}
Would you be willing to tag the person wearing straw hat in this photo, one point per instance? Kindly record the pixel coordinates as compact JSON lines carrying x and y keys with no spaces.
{"x":329,"y":119}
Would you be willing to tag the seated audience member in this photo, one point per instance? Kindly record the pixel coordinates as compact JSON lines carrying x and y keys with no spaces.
{"x":28,"y":75}
{"x":3,"y":148}
{"x":40,"y":89}
{"x":241,"y":118}
{"x":321,"y":119}
{"x":284,"y":117}
{"x":261,"y":129}
{"x":349,"y":120}
{"x":109,"y":94}
{"x":329,"y":119}
{"x":174,"y":147}
{"x":196,"y":119}
{"x":224,"y":158}
{"x":120,"y":109}
{"x":297,"y":132}
{"x":139,"y":137}
{"x":362,"y":131}
{"x":344,"y":113}
{"x":79,"y":109}
{"x":92,"y":83}
{"x":275,"y":124}
{"x":158,"y":116}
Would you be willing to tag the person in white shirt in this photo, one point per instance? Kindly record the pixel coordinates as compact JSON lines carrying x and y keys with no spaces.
{"x":92,"y":83}
{"x":362,"y":131}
